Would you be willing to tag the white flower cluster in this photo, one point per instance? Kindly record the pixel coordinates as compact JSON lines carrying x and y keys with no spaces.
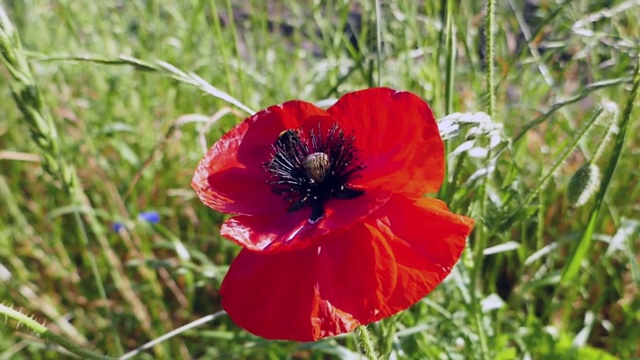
{"x":482,"y":135}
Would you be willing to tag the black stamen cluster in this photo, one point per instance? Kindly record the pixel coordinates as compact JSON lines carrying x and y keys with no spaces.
{"x":292,"y":177}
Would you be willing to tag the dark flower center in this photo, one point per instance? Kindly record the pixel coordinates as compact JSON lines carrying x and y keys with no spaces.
{"x":309,"y":168}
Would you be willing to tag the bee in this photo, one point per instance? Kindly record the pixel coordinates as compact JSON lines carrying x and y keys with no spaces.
{"x":288,"y":138}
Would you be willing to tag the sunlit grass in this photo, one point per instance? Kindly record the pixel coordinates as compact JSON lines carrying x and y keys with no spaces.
{"x":136,"y":89}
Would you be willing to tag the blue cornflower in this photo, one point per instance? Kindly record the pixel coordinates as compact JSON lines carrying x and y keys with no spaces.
{"x":149,"y":216}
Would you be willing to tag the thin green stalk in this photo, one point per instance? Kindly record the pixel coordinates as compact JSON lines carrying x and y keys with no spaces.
{"x":490,"y":47}
{"x":448,"y":90}
{"x":159,"y":67}
{"x":43,"y":130}
{"x":481,"y":235}
{"x":171,"y":334}
{"x":563,"y":156}
{"x":364,"y":337}
{"x":490,"y":85}
{"x":234,"y":33}
{"x":217,"y":27}
{"x":45,"y":333}
{"x":379,"y":41}
{"x":477,"y":317}
{"x":584,"y":92}
{"x":573,"y":265}
{"x":455,"y":176}
{"x":451,"y":59}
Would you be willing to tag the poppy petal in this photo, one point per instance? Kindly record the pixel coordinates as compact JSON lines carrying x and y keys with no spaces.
{"x":426,"y":240}
{"x":230,"y":178}
{"x":292,"y":230}
{"x":398,"y":137}
{"x":311,"y":293}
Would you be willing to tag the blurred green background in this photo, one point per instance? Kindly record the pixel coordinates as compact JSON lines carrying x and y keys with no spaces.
{"x":136,"y":133}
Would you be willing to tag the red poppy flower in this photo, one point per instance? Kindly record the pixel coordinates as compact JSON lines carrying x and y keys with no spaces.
{"x":330,"y":211}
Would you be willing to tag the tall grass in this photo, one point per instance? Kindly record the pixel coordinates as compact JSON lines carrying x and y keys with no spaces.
{"x":109,"y":105}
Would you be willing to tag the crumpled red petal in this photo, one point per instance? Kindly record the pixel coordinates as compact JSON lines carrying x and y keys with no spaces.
{"x":230,"y":178}
{"x":286,"y":231}
{"x":399,"y":139}
{"x":426,"y":240}
{"x":315,"y":292}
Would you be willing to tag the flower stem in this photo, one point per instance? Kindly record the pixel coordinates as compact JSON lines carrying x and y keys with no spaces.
{"x":490,"y":47}
{"x":448,"y":93}
{"x":481,"y":235}
{"x":490,"y":84}
{"x":451,"y":59}
{"x":378,"y":41}
{"x":364,"y":337}
{"x":48,"y":334}
{"x":484,"y":346}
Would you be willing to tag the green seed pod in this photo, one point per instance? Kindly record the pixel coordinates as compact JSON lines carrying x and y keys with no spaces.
{"x":583,"y":184}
